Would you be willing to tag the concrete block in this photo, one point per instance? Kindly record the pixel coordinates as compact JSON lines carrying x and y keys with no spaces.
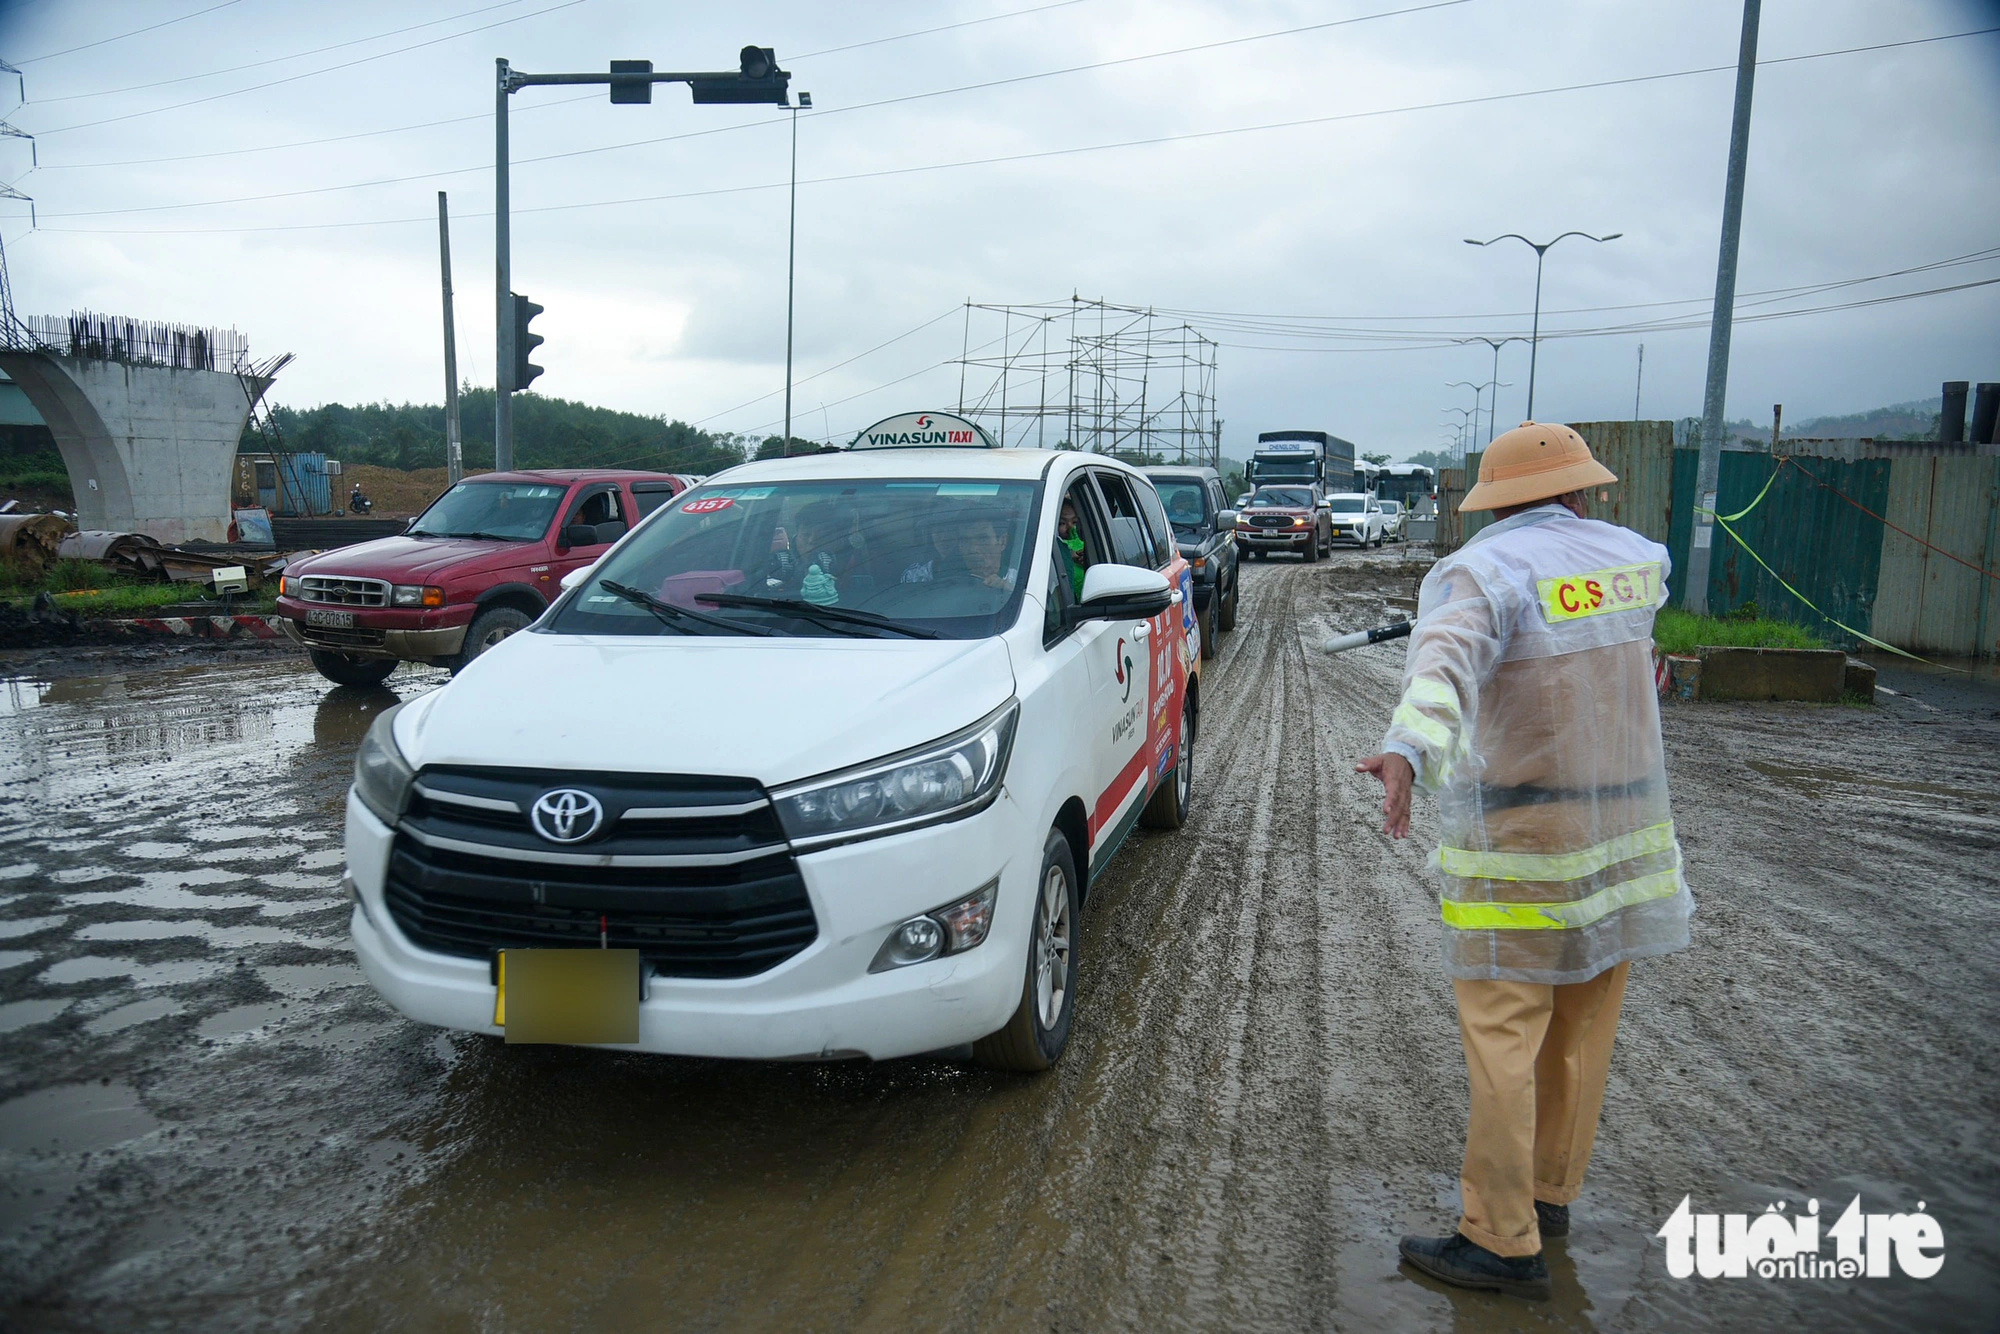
{"x":1683,"y":676}
{"x":1860,"y":680}
{"x":1772,"y":673}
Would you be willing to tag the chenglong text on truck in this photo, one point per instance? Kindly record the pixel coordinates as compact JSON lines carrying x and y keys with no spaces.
{"x":1303,"y":456}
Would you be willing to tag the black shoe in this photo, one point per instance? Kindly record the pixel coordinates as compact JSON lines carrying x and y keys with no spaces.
{"x":1553,"y":1219}
{"x":1466,"y":1264}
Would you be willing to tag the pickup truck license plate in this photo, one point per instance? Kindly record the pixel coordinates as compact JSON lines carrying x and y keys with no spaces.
{"x":573,"y":996}
{"x":334,"y":620}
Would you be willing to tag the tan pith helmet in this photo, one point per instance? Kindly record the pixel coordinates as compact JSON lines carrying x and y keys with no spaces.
{"x":1534,"y":461}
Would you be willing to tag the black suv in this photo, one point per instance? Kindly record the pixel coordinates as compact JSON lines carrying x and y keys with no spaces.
{"x":1205,"y":529}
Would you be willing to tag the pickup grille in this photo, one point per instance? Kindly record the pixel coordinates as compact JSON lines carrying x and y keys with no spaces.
{"x":1271,"y":520}
{"x":694,"y":873}
{"x":335,"y":590}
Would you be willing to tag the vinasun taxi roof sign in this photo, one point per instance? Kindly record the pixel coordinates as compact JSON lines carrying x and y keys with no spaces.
{"x":924,"y":430}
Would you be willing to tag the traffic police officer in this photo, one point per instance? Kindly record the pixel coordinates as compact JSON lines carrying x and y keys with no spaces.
{"x":1529,"y":710}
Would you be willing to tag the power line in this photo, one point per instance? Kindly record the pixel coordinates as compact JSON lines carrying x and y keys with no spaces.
{"x":731,"y":129}
{"x":279,"y":60}
{"x":106,"y":41}
{"x":532,"y":106}
{"x":1150,"y":141}
{"x":308,"y":74}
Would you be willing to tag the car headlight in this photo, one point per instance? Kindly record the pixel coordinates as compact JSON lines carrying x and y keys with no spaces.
{"x":1298,"y":523}
{"x":416,"y":595}
{"x":948,"y":779}
{"x":382,"y":777}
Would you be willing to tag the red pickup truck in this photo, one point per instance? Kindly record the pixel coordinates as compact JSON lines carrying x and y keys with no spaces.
{"x":482,"y":562}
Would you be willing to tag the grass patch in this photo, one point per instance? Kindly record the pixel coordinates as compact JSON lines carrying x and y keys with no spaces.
{"x":89,"y":590}
{"x":1678,"y":631}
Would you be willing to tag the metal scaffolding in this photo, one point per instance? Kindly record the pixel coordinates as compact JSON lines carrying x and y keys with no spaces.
{"x":1091,"y":375}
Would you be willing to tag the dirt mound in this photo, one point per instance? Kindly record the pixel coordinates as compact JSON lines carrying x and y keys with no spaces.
{"x":397,"y":494}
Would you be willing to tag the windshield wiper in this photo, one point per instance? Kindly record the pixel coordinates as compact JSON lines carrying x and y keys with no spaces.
{"x":678,"y":617}
{"x":831,"y":617}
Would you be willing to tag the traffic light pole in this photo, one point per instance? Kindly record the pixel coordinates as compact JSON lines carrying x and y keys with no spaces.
{"x":757,"y":80}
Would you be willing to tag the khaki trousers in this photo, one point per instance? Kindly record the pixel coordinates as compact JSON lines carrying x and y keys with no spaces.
{"x":1537,"y":1057}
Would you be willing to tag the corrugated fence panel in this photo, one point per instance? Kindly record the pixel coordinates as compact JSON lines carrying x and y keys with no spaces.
{"x":1964,"y":496}
{"x":1899,"y":598}
{"x":1822,"y":546}
{"x":1641,"y":453}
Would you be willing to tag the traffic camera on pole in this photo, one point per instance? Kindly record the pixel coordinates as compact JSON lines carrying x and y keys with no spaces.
{"x":758,"y":79}
{"x":524,"y":342}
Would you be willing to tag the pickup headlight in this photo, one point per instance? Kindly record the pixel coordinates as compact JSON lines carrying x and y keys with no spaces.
{"x":948,"y":779}
{"x":382,"y":777}
{"x":416,"y":595}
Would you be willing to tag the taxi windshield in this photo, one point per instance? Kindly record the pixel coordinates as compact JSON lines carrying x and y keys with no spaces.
{"x":1286,"y":497}
{"x":873,"y":558}
{"x":509,"y":511}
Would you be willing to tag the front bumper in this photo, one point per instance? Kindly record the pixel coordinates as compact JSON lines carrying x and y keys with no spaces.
{"x":372,"y":641}
{"x":1275,"y":539}
{"x":821,"y":1003}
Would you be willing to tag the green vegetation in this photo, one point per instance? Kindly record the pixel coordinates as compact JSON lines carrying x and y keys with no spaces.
{"x":89,"y":590}
{"x":43,"y":470}
{"x":1678,"y":631}
{"x":548,"y":433}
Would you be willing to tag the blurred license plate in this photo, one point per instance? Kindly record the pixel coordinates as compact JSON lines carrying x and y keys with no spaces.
{"x":335,"y":620}
{"x":572,"y":996}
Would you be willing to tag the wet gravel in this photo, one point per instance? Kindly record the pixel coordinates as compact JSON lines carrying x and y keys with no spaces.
{"x":207,"y":1119}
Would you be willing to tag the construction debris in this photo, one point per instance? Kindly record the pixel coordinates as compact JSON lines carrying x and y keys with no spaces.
{"x":138,"y":556}
{"x":30,"y":543}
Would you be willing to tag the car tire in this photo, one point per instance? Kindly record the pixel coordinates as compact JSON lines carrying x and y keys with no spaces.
{"x":488,"y":628}
{"x":1311,"y":552}
{"x":1168,"y":808}
{"x":1034,"y":1038}
{"x":1226,"y":618}
{"x":1206,"y":622}
{"x":344,"y":669}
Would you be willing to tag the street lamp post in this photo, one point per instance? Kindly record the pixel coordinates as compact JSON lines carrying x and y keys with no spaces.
{"x":1465,"y":420}
{"x":1493,"y":405}
{"x":756,"y":80}
{"x":1540,"y":248}
{"x":791,"y":262}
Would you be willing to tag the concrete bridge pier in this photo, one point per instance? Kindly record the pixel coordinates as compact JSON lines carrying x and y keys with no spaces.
{"x":149,"y":448}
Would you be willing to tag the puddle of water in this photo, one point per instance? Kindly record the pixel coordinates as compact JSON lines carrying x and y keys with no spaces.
{"x":139,"y":1012}
{"x":310,"y":979}
{"x":293,"y":909}
{"x":17,"y":696}
{"x":241,"y":1019}
{"x":157,"y":851}
{"x":15,"y":958}
{"x":324,"y":858}
{"x":90,"y":968}
{"x":1808,"y":775}
{"x":27,"y":926}
{"x":20,"y":1014}
{"x":292,"y":880}
{"x":228,"y":833}
{"x":18,"y":871}
{"x":162,"y":899}
{"x":208,"y":931}
{"x":70,"y":1118}
{"x":249,"y":853}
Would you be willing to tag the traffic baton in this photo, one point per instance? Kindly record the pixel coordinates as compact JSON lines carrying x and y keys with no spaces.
{"x":1363,"y":638}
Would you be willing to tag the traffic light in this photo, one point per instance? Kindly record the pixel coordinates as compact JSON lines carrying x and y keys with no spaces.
{"x":524,"y":342}
{"x":758,"y":79}
{"x":631,"y":90}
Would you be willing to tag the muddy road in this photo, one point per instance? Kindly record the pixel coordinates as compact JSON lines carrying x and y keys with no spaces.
{"x":208,"y":1120}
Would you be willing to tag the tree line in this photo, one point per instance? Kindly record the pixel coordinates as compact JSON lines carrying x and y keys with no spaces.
{"x":548,"y":433}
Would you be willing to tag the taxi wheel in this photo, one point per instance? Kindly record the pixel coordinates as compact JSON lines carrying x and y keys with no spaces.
{"x":1169,"y":807}
{"x":1035,"y":1037}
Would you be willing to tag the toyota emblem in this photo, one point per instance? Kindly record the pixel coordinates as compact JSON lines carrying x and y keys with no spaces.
{"x":566,"y":815}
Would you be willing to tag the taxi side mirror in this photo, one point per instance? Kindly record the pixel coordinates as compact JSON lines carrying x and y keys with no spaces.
{"x":1121,"y":592}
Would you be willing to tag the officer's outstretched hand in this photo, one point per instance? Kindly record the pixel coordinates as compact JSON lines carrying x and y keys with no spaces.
{"x":1397,"y":778}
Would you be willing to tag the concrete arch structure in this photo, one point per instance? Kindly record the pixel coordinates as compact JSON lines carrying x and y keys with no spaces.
{"x":149,"y":448}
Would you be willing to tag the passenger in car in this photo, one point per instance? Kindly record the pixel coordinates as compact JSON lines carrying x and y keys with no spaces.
{"x":1070,"y":546}
{"x":811,"y":568}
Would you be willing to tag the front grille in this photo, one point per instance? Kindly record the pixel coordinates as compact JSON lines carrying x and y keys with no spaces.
{"x":694,"y":873}
{"x":326,"y":636}
{"x":335,"y":590}
{"x":1271,"y":520}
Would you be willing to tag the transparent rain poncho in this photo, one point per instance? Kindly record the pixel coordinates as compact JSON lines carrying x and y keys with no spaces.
{"x":1529,"y":710}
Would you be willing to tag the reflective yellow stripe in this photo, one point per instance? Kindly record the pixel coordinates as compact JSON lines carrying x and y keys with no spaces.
{"x":1560,"y":916}
{"x":1432,"y":731}
{"x":1427,"y":690}
{"x":1468,"y":865}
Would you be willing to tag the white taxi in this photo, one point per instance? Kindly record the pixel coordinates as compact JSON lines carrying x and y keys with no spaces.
{"x":821,"y":760}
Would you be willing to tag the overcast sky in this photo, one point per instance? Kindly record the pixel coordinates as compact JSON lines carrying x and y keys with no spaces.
{"x":1342,"y":238}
